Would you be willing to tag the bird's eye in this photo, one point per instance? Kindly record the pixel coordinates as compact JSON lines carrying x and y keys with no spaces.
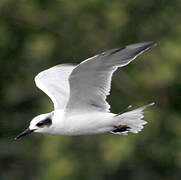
{"x":40,"y":124}
{"x":45,"y":122}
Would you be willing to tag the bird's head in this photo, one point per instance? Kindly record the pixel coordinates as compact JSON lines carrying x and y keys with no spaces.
{"x":40,"y":124}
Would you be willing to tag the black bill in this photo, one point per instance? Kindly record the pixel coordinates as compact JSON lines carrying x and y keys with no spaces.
{"x":24,"y":133}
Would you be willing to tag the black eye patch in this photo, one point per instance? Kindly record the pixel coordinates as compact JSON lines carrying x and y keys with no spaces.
{"x":45,"y":122}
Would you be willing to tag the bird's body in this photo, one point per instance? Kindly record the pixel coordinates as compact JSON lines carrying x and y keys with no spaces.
{"x":79,"y":96}
{"x":82,"y":123}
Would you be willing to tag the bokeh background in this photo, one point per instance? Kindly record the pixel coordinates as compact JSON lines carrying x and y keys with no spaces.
{"x":38,"y":34}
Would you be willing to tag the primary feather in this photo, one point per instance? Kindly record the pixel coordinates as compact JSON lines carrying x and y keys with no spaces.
{"x":90,"y":81}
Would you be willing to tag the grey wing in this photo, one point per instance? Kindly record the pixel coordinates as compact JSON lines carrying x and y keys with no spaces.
{"x":90,"y":81}
{"x":54,"y":82}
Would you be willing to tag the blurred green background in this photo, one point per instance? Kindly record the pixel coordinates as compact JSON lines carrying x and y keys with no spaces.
{"x":38,"y":34}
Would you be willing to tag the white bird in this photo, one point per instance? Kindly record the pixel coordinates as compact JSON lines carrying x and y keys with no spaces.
{"x":79,"y":95}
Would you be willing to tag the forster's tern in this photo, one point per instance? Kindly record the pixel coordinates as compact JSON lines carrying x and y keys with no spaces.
{"x":79,"y":95}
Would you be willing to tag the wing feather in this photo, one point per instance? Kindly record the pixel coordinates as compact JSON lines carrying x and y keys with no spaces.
{"x":54,"y":82}
{"x":90,"y":81}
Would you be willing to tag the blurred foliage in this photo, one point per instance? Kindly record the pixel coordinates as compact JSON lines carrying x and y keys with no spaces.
{"x":38,"y":34}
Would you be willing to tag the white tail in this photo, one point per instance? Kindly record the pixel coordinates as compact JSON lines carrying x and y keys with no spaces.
{"x":131,"y":121}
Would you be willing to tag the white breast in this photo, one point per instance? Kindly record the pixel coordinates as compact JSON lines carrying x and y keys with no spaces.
{"x":81,"y":124}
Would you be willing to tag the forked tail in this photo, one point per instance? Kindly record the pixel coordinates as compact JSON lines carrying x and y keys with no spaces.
{"x":130,"y":121}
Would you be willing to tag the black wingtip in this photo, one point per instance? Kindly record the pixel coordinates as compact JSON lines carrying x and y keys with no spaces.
{"x":150,"y":44}
{"x":136,"y":49}
{"x":154,"y":43}
{"x":142,"y":47}
{"x":117,"y":50}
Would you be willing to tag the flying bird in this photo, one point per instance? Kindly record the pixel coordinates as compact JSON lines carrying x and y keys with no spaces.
{"x":79,"y":96}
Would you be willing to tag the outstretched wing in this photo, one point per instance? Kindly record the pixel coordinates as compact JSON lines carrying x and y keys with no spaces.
{"x":90,"y":81}
{"x":54,"y":82}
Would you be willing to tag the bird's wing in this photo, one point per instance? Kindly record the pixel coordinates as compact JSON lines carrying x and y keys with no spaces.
{"x":54,"y":82}
{"x":90,"y":81}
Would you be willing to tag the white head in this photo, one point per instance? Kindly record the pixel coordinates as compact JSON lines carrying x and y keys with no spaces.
{"x":41,"y":124}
